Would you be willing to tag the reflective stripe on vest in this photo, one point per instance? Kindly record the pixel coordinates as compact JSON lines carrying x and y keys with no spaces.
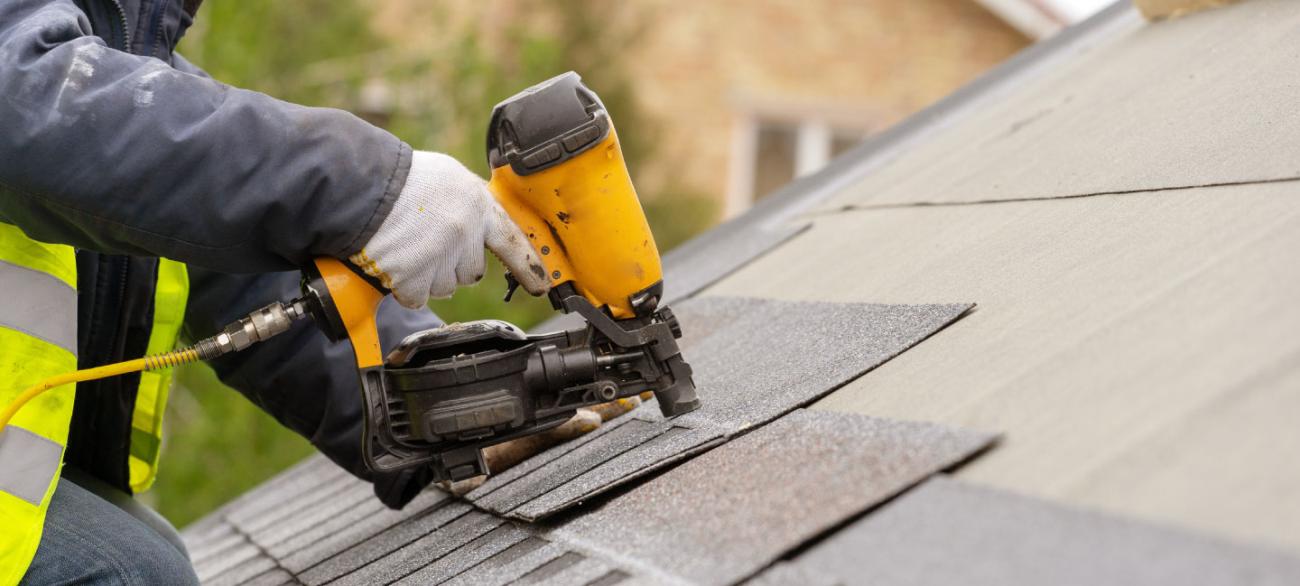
{"x":170,"y":295}
{"x":38,"y":339}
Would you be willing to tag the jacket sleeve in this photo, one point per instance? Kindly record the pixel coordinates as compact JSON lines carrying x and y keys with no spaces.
{"x":109,"y":151}
{"x":302,"y":379}
{"x":183,"y":65}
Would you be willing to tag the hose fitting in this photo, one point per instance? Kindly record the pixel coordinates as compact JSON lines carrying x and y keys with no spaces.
{"x":259,"y":326}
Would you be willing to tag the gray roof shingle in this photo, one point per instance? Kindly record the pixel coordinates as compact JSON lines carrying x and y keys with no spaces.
{"x":753,"y":360}
{"x":714,"y":520}
{"x":950,"y":532}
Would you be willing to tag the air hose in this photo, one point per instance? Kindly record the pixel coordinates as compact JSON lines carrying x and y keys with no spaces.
{"x":258,"y":326}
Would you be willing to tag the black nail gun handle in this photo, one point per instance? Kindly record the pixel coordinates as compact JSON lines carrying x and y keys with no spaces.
{"x":343,"y":303}
{"x":385,"y":449}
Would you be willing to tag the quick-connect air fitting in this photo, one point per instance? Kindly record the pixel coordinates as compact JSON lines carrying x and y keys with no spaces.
{"x":260,"y":325}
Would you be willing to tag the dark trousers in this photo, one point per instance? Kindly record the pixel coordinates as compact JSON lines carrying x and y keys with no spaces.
{"x":95,"y":534}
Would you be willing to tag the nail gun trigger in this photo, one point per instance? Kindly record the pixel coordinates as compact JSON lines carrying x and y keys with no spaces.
{"x":512,"y":284}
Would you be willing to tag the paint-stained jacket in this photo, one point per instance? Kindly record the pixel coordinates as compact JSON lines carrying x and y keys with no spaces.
{"x":111,"y":143}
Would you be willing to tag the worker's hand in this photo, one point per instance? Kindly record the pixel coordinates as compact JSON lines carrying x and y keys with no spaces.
{"x":504,"y":456}
{"x":433,"y":239}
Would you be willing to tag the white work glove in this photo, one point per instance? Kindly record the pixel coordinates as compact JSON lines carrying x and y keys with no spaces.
{"x":433,"y":239}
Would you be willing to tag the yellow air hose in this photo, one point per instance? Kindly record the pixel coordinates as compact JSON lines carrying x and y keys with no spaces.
{"x":155,"y":362}
{"x":260,"y":325}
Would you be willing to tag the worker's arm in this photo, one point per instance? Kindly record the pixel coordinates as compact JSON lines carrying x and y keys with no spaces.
{"x":109,"y":151}
{"x":114,"y":152}
{"x":307,"y":383}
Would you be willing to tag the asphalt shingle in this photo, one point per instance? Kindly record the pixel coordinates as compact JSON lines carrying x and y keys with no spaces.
{"x":322,"y":542}
{"x":244,"y":572}
{"x":509,"y":564}
{"x":729,"y":512}
{"x":700,"y":263}
{"x":950,"y":532}
{"x":275,"y":577}
{"x":228,"y":559}
{"x":428,"y":549}
{"x":365,"y":552}
{"x":831,"y":465}
{"x":302,"y":517}
{"x":754,"y":360}
{"x":470,"y":555}
{"x":569,"y":569}
{"x":1158,"y":106}
{"x":1119,"y":319}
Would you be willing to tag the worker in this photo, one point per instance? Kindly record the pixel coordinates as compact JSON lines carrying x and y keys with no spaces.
{"x":140,"y":200}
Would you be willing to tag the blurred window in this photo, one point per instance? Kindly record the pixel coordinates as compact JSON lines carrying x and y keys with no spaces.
{"x":843,"y":141}
{"x":785,"y":150}
{"x":774,"y":157}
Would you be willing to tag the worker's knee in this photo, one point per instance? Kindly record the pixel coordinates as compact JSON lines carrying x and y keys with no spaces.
{"x":67,"y":557}
{"x":88,"y":540}
{"x":163,"y":564}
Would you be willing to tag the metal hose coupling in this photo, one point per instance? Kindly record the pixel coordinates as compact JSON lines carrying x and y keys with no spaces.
{"x":259,"y":326}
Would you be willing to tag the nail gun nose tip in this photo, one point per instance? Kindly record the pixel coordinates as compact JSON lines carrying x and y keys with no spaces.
{"x":675,"y":408}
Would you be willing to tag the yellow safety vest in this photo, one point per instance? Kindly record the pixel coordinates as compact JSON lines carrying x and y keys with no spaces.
{"x":38,"y":339}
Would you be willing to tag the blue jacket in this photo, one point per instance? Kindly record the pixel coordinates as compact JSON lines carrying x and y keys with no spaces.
{"x":112,"y":143}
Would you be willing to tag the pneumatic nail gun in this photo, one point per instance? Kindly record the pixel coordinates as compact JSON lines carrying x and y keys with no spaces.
{"x":443,"y":395}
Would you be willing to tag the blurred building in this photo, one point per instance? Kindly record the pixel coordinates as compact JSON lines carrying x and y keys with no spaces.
{"x":746,"y":95}
{"x":755,"y":93}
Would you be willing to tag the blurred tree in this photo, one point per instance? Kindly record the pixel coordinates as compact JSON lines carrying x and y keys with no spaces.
{"x":471,"y":72}
{"x":324,"y":52}
{"x":267,"y":46}
{"x":587,"y":36}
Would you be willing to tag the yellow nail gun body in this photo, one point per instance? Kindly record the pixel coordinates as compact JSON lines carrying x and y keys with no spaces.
{"x":444,"y":394}
{"x":572,"y":195}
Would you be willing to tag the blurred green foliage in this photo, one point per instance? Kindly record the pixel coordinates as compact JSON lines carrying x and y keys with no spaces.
{"x":324,"y":52}
{"x":217,"y":446}
{"x":265,"y":46}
